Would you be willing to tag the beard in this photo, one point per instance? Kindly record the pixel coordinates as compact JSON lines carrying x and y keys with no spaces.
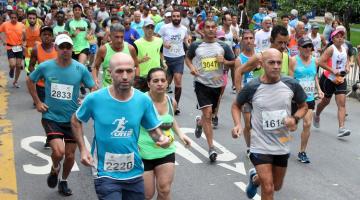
{"x":176,"y":22}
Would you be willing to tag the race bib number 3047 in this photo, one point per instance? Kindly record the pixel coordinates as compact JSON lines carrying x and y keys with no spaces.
{"x":61,"y":91}
{"x":273,"y":120}
{"x":118,"y":162}
{"x":209,"y":64}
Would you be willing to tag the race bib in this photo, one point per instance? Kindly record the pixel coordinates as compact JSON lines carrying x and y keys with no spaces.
{"x":61,"y":91}
{"x":16,"y":49}
{"x":273,"y":120}
{"x":174,"y":49}
{"x":209,"y":64}
{"x":118,"y":162}
{"x":308,"y":86}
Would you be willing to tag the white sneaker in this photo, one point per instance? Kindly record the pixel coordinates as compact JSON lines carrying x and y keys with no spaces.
{"x":343,"y":132}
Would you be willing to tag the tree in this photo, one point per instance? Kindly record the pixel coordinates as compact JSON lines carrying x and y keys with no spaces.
{"x":344,"y":8}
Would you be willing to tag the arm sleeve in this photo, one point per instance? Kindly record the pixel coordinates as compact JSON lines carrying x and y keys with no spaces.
{"x":150,"y":120}
{"x":84,"y":112}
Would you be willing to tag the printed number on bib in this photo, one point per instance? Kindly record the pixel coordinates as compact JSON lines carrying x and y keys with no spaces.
{"x":308,"y":86}
{"x":61,"y":91}
{"x":273,"y":120}
{"x":16,"y":49}
{"x":118,"y":162}
{"x":209,"y":64}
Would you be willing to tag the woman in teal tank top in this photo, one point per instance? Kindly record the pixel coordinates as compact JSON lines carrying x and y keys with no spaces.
{"x":159,"y":163}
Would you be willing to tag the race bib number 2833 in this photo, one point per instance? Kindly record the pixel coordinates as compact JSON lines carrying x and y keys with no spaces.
{"x":61,"y":91}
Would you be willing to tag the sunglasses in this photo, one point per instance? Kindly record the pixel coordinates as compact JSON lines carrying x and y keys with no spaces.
{"x":150,"y":27}
{"x":65,"y":46}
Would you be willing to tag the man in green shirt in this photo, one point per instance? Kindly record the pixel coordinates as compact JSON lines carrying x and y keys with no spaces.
{"x":155,"y":16}
{"x":107,"y":50}
{"x":149,"y":53}
{"x":59,"y":28}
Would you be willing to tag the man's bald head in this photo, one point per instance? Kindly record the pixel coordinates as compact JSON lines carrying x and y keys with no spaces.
{"x":271,"y":53}
{"x":121,"y":59}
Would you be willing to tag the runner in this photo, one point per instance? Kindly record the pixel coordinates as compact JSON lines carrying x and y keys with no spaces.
{"x":335,"y":61}
{"x":159,"y":164}
{"x":59,"y":28}
{"x":63,"y":77}
{"x":42,"y":52}
{"x":15,"y":42}
{"x":318,"y":40}
{"x":174,"y":36}
{"x":271,"y":122}
{"x":130,"y":34}
{"x":293,"y":43}
{"x":206,"y":61}
{"x":78,"y":29}
{"x":262,"y":37}
{"x":106,"y":51}
{"x":138,"y":23}
{"x":115,"y":158}
{"x":149,"y":53}
{"x":32,"y":35}
{"x":306,"y":73}
{"x":248,"y":50}
{"x":279,"y":39}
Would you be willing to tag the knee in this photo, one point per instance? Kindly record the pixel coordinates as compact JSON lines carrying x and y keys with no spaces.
{"x":149,"y":196}
{"x":207,"y":116}
{"x":307,"y":124}
{"x":58,"y":153}
{"x":267,"y":188}
{"x":164,"y":189}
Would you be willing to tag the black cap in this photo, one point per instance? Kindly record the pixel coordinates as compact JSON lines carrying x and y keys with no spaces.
{"x":46,"y":28}
{"x":304,"y":41}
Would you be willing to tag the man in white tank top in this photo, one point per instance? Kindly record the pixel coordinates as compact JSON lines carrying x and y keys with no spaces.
{"x":335,"y":61}
{"x":318,"y":40}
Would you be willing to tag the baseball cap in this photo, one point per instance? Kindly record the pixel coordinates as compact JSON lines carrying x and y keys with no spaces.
{"x":148,"y":22}
{"x":63,"y":38}
{"x":8,"y":7}
{"x":304,"y":41}
{"x":336,"y":32}
{"x":220,"y":34}
{"x":315,"y":26}
{"x":46,"y":28}
{"x":168,"y":14}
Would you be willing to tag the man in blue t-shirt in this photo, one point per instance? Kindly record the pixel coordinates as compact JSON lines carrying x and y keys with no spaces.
{"x":63,"y":77}
{"x":130,"y":34}
{"x":257,"y":18}
{"x":117,"y":115}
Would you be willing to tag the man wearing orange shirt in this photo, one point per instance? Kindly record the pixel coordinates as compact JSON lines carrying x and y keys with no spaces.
{"x":15,"y":41}
{"x":32,"y":35}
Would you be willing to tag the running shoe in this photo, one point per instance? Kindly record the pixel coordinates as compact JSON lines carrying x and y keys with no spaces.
{"x":248,"y":153}
{"x":212,"y":154}
{"x":46,"y":145}
{"x":343,"y":132}
{"x":198,"y":129}
{"x":251,"y":188}
{"x":316,"y":120}
{"x":215,"y":121}
{"x":302,"y":157}
{"x":16,"y":85}
{"x":177,"y":111}
{"x":11,"y":73}
{"x":233,"y":90}
{"x":63,"y":188}
{"x":52,"y":179}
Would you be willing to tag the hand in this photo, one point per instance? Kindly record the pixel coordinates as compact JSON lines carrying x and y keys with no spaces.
{"x":339,"y":80}
{"x":194,"y":71}
{"x":77,"y":31}
{"x":220,"y":59}
{"x":163,"y":142}
{"x":86,"y":158}
{"x":167,"y":45}
{"x":41,"y":107}
{"x":145,"y":58}
{"x":336,"y":72}
{"x":321,"y":94}
{"x":185,"y":140}
{"x":347,"y":70}
{"x":165,"y":67}
{"x":236,"y":131}
{"x":290,"y":123}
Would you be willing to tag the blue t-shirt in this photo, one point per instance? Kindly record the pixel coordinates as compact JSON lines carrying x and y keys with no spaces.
{"x":293,"y":22}
{"x":117,"y":128}
{"x":138,"y":27}
{"x":127,"y":36}
{"x":248,"y":76}
{"x":305,"y":74}
{"x":158,"y":26}
{"x":62,"y":85}
{"x":258,"y":17}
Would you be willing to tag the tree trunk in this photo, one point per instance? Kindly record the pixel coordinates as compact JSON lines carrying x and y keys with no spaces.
{"x":346,"y":21}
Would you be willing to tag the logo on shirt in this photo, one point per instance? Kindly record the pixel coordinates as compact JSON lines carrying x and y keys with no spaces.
{"x":120,"y":129}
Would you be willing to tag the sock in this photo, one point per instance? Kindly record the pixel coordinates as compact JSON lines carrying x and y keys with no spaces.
{"x":62,"y":179}
{"x":177,"y":94}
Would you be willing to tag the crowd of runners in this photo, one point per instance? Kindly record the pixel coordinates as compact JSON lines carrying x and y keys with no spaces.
{"x":115,"y":61}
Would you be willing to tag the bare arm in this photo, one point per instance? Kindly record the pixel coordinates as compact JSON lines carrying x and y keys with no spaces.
{"x":99,"y":58}
{"x":134,"y":56}
{"x":77,"y":129}
{"x":40,"y":106}
{"x":190,"y":65}
{"x":236,"y":115}
{"x":324,"y":58}
{"x":33,"y":59}
{"x":292,"y":63}
{"x":238,"y":75}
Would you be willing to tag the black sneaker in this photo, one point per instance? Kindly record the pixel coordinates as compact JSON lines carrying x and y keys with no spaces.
{"x":215,"y":121}
{"x":52,"y":179}
{"x":198,"y":129}
{"x":46,"y":145}
{"x":63,"y":188}
{"x":302,"y":157}
{"x":11,"y":73}
{"x":177,"y":111}
{"x":212,"y":154}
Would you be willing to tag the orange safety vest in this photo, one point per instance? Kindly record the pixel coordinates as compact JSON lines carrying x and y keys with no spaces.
{"x":43,"y":56}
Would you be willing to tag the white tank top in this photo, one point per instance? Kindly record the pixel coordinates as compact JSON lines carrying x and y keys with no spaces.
{"x":317,"y":44}
{"x":338,"y":61}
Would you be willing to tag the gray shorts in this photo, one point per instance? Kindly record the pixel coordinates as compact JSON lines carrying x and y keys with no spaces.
{"x":175,"y":65}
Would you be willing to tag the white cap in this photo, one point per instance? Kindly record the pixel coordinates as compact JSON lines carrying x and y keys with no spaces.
{"x":148,"y":22}
{"x":294,"y":12}
{"x":62,"y":38}
{"x":168,"y":14}
{"x":224,"y":9}
{"x":8,"y":7}
{"x":154,"y":8}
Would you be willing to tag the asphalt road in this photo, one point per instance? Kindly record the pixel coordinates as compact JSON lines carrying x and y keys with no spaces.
{"x":333,"y":173}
